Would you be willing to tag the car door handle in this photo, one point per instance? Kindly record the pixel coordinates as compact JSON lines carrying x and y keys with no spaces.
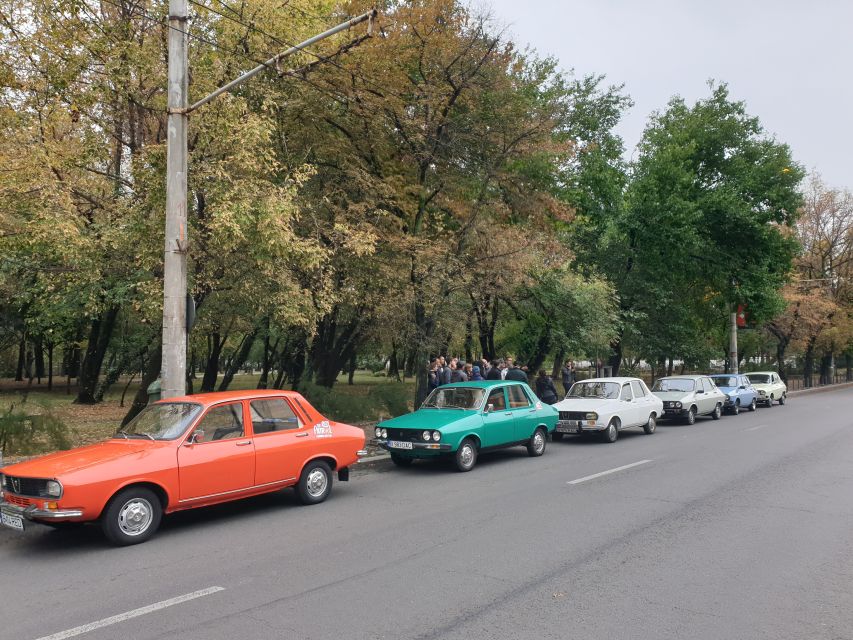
{"x":243,"y":444}
{"x":508,"y":413}
{"x":303,"y":434}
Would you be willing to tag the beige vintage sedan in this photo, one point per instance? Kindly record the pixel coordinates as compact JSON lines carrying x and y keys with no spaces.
{"x":769,"y":386}
{"x":686,"y":397}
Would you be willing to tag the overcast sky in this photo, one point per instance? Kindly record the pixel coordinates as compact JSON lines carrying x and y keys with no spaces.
{"x":791,"y":61}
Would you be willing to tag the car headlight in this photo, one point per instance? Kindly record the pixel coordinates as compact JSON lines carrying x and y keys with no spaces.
{"x":378,"y":432}
{"x":436,"y":435}
{"x":426,"y":435}
{"x":53,"y":489}
{"x":384,"y":433}
{"x":592,"y":415}
{"x":678,"y":405}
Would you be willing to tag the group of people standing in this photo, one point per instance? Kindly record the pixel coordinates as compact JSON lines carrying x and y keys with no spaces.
{"x":444,"y":371}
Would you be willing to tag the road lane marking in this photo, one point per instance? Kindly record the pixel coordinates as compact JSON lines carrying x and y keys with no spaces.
{"x":758,"y":426}
{"x":76,"y":631}
{"x":608,"y":472}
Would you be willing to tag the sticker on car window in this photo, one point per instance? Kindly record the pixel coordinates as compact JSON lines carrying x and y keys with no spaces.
{"x":323,"y":429}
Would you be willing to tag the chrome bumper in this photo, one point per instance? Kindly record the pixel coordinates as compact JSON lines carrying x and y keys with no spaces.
{"x":361,"y":453}
{"x":34,"y":513}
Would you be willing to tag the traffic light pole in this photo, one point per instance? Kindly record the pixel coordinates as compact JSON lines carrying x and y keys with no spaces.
{"x":174,"y":364}
{"x":733,"y":357}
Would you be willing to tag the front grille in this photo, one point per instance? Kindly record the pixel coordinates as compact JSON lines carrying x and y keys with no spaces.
{"x":572,"y":415}
{"x":36,"y":487}
{"x":21,"y":502}
{"x":406,"y":435}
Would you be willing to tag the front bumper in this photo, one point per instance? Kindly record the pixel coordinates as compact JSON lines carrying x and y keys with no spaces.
{"x":578,"y":426}
{"x":669,"y":412}
{"x":32,"y":512}
{"x":417,"y":447}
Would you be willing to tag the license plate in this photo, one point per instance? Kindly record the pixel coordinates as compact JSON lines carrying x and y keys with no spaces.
{"x":12,"y":521}
{"x":396,"y":444}
{"x":569,"y":426}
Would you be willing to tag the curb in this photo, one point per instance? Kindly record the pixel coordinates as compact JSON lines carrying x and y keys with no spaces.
{"x":822,"y":389}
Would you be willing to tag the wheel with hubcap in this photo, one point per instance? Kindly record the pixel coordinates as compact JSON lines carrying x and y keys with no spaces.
{"x":691,"y":415}
{"x":611,"y":433}
{"x":401,"y":461}
{"x":718,"y":412}
{"x":466,"y":455}
{"x":315,"y":483}
{"x":736,"y":408}
{"x":782,"y":399}
{"x":132,"y":516}
{"x":753,"y":405}
{"x":650,"y":426}
{"x":537,"y":442}
{"x":770,"y":401}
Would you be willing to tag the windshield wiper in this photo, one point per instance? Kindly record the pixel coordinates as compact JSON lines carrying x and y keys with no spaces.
{"x":121,"y":432}
{"x":139,"y":435}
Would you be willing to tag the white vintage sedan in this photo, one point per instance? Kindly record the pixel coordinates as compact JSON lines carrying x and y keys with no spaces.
{"x":607,"y":406}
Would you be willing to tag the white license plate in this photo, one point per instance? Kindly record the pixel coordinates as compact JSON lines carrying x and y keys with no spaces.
{"x":396,"y":444}
{"x":12,"y":521}
{"x":569,"y":426}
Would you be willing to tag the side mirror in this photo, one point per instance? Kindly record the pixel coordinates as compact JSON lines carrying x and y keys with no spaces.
{"x":489,"y":408}
{"x":743,"y":386}
{"x":700,"y":391}
{"x":196,"y":437}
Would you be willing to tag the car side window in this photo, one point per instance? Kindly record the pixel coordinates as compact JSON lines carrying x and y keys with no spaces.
{"x":496,"y":398}
{"x":517,"y":398}
{"x":637,"y":388}
{"x":707,"y":385}
{"x":272,"y":415}
{"x":222,"y":422}
{"x":626,"y":392}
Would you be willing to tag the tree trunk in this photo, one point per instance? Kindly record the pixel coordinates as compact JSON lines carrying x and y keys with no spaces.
{"x":393,"y":364}
{"x":50,"y":366}
{"x":781,"y":347}
{"x":557,"y":369}
{"x":152,"y":371}
{"x":269,"y":352}
{"x":543,"y":346}
{"x":38,"y":347}
{"x":333,"y":346}
{"x":22,"y":358}
{"x":826,"y":369}
{"x":614,"y":360}
{"x":351,"y":369}
{"x":808,"y":365}
{"x":469,"y":340}
{"x":848,"y":362}
{"x":238,"y":359}
{"x":211,"y":369}
{"x":669,"y":367}
{"x":100,"y":333}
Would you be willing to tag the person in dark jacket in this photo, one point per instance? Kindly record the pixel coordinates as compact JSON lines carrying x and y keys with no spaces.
{"x":568,"y":375}
{"x":516,"y":373}
{"x":545,"y":388}
{"x":495,"y":372}
{"x":475,"y":373}
{"x":432,"y":375}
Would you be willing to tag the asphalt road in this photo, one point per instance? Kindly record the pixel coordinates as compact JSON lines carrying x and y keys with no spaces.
{"x":741,"y":528}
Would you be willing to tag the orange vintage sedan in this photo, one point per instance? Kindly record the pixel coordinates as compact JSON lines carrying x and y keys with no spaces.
{"x":183,"y":453}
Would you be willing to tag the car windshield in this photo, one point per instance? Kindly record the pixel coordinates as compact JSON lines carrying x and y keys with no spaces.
{"x":455,"y":398}
{"x":608,"y":390}
{"x":759,"y":378}
{"x":724,"y":381}
{"x":674,"y":384}
{"x":161,"y":421}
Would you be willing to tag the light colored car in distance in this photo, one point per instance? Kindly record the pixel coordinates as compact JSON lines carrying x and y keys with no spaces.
{"x":688,"y":397}
{"x":769,"y":386}
{"x":740,"y":394}
{"x":607,"y":406}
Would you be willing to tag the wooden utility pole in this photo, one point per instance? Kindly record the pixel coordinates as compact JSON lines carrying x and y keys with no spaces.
{"x":174,"y":363}
{"x":173,"y":371}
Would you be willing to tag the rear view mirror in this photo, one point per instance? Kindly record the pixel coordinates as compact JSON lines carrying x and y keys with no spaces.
{"x":700,"y":391}
{"x":196,"y":437}
{"x":489,"y":408}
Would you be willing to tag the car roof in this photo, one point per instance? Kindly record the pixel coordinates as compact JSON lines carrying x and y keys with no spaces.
{"x":685,"y":377}
{"x":724,"y":375}
{"x":617,"y":380}
{"x":481,"y":384}
{"x":214,"y":397}
{"x":764,"y":373}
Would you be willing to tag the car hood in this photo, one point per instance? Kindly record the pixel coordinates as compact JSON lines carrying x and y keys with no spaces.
{"x":763,"y":386}
{"x":586,"y":404}
{"x":726,"y":389}
{"x":428,"y":419}
{"x":673,"y":395}
{"x":63,"y":462}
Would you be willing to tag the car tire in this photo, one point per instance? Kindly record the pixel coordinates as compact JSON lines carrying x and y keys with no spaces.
{"x":754,"y":405}
{"x":717,"y":413}
{"x":466,"y":455}
{"x":401,"y":461}
{"x":782,"y":399}
{"x":132,"y":516}
{"x":770,"y":401}
{"x":556,"y":437}
{"x":650,"y":426}
{"x":536,"y":444}
{"x":691,"y":416}
{"x":611,"y":433}
{"x":736,"y":408}
{"x":315,"y":483}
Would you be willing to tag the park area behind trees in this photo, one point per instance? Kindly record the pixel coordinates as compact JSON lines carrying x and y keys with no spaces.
{"x":433,"y":189}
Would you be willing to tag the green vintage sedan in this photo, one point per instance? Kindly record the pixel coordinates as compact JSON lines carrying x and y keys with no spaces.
{"x":462,"y":420}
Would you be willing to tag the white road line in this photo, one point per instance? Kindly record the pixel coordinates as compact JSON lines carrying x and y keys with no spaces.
{"x":758,"y":426}
{"x":76,"y":631}
{"x":608,"y":472}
